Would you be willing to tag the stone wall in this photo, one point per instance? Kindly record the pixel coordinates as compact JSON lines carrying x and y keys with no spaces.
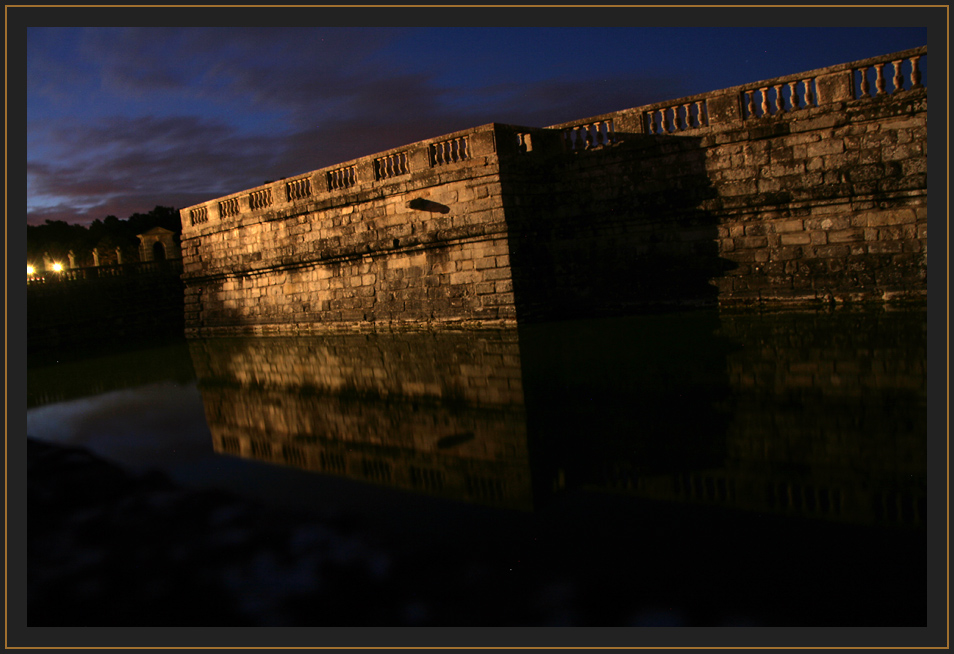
{"x":805,"y":189}
{"x":820,"y":202}
{"x":421,"y":246}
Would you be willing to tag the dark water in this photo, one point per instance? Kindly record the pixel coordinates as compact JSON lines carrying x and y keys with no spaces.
{"x":689,"y":469}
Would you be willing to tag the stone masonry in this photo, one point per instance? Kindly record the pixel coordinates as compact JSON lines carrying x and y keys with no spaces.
{"x":805,"y":189}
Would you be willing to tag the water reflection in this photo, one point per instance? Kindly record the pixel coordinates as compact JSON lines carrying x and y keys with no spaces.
{"x":441,"y":413}
{"x":816,"y":415}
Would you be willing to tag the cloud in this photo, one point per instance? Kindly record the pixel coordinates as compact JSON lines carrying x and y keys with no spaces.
{"x":178,"y":116}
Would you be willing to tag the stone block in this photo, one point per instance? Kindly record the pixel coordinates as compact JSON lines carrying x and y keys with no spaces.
{"x":892,"y":217}
{"x":886,"y":247}
{"x":798,"y":238}
{"x":823,"y":148}
{"x":846,"y":235}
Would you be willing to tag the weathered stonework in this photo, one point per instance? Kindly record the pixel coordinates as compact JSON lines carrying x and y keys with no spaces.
{"x":809,"y":188}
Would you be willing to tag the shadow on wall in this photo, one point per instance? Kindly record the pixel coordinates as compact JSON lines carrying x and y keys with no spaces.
{"x":613,"y":230}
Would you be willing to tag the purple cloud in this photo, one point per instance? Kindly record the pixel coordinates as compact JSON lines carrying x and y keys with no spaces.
{"x":175,"y":116}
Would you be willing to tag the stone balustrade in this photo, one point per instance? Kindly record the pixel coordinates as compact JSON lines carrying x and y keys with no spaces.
{"x":524,"y":142}
{"x":677,"y":118}
{"x":716,"y":110}
{"x":392,"y":165}
{"x":298,"y":189}
{"x":905,"y":74}
{"x":450,"y":151}
{"x":423,"y":159}
{"x":342,"y":178}
{"x":799,"y":188}
{"x":199,"y":215}
{"x":260,"y":199}
{"x":779,"y":98}
{"x":163,"y":267}
{"x":229,"y":207}
{"x":589,"y":135}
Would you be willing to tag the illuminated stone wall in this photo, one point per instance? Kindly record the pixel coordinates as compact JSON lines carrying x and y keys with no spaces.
{"x":805,"y":189}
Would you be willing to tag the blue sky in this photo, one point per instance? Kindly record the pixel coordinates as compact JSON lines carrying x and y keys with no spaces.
{"x":120,"y":120}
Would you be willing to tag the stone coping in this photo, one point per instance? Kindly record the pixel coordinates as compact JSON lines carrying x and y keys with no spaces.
{"x":419,"y":165}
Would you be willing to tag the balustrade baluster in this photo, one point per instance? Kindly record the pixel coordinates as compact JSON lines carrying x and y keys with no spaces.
{"x":765,"y":102}
{"x":898,"y":78}
{"x":665,"y":120}
{"x":703,"y":118}
{"x":793,"y":95}
{"x":809,"y":98}
{"x":915,"y":73}
{"x":879,"y":79}
{"x":779,"y":99}
{"x":751,"y":103}
{"x":865,"y":85}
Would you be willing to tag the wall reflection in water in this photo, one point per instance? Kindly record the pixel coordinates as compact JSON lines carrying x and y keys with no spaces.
{"x":441,"y":413}
{"x":818,"y":415}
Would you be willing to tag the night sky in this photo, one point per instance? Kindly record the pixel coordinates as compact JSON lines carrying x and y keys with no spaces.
{"x":120,"y":120}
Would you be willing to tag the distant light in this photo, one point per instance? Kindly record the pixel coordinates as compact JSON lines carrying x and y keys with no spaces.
{"x":57,"y":267}
{"x":30,"y":270}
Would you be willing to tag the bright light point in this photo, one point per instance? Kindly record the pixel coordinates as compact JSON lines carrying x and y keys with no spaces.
{"x":30,"y":270}
{"x":57,"y":267}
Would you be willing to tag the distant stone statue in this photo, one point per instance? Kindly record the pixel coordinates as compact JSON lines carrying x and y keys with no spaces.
{"x":119,"y":255}
{"x":96,"y":256}
{"x":72,"y":258}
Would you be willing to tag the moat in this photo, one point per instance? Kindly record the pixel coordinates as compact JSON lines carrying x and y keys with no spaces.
{"x":697,"y":468}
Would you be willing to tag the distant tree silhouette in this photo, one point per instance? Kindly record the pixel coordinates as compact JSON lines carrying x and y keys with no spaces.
{"x":57,"y":238}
